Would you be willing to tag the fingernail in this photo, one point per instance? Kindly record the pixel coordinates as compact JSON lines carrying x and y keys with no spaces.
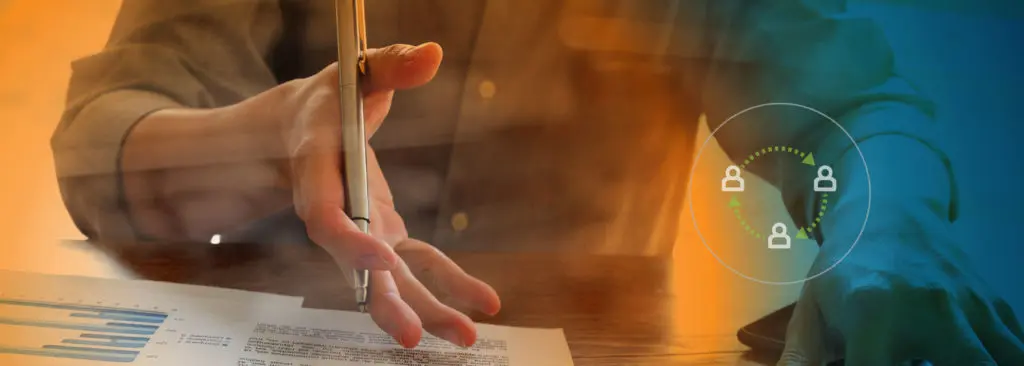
{"x":490,"y":310}
{"x":420,"y":47}
{"x":484,"y":310}
{"x":412,"y":53}
{"x":452,"y":335}
{"x":390,"y":327}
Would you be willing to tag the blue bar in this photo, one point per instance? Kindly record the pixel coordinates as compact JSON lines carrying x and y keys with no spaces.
{"x":100,"y":309}
{"x":73,"y":326}
{"x":114,"y":337}
{"x":104,"y":344}
{"x":161,"y":317}
{"x":130,"y":325}
{"x":123,"y":318}
{"x":69,"y":355}
{"x":93,"y":350}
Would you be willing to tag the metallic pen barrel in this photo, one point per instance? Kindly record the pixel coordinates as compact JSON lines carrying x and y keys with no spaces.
{"x":362,"y":276}
{"x":362,"y":282}
{"x":351,"y":46}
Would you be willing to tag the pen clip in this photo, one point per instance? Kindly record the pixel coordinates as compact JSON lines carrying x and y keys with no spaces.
{"x":360,"y":15}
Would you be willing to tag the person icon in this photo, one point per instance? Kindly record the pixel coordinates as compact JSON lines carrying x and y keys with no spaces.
{"x":825,"y":182}
{"x":732,"y":181}
{"x":779,"y":238}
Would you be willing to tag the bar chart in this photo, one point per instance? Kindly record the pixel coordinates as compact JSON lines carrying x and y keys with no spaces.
{"x":76,"y":331}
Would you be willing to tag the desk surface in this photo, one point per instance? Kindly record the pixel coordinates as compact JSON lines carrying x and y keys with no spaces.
{"x":614,"y":309}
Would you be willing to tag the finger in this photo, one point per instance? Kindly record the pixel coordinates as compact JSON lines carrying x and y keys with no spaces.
{"x":1007,"y":315}
{"x":391,"y":313}
{"x":953,"y":342}
{"x":438,"y":319}
{"x":401,"y":66}
{"x":926,"y":324}
{"x":805,"y":335}
{"x":871,"y":344}
{"x":375,"y":107}
{"x":395,"y":67}
{"x":453,"y":285}
{"x":375,"y":177}
{"x":386,"y":225}
{"x":996,"y":337}
{"x":329,"y":227}
{"x":319,"y":201}
{"x":1002,"y":345}
{"x":385,"y":222}
{"x":871,"y":323}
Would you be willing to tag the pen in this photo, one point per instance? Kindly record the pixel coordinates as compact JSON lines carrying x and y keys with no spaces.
{"x":351,"y":28}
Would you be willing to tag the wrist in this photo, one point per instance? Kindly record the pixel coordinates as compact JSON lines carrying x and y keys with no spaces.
{"x":853,"y":226}
{"x":901,"y":174}
{"x":178,"y":138}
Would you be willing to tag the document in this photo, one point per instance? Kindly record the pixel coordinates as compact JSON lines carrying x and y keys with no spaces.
{"x":65,"y":320}
{"x":309,"y":337}
{"x":73,"y":321}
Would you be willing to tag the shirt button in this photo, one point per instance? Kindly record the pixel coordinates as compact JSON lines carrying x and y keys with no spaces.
{"x":460,"y":221}
{"x":487,"y":89}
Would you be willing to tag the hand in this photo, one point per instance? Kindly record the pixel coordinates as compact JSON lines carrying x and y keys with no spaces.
{"x":900,"y":297}
{"x":192,"y":173}
{"x":399,"y":303}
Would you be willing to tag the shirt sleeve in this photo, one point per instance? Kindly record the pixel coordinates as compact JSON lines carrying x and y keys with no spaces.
{"x":160,"y":54}
{"x":812,"y":53}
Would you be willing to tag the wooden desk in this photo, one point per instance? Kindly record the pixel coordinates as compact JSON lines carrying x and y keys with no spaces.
{"x":614,"y":310}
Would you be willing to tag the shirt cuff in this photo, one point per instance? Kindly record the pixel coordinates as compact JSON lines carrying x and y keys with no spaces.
{"x":871,"y":120}
{"x":87,"y":157}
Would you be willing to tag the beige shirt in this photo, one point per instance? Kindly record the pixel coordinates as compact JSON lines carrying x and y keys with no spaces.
{"x":564,"y":125}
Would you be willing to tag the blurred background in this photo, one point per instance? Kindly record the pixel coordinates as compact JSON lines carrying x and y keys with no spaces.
{"x":956,"y":50}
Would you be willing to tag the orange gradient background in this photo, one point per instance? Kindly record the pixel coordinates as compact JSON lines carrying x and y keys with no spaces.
{"x":41,"y":38}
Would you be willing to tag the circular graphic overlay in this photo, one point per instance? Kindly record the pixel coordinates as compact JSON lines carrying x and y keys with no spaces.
{"x":773,"y":239}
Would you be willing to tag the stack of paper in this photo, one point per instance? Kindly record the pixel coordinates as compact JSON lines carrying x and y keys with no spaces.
{"x":74,"y":321}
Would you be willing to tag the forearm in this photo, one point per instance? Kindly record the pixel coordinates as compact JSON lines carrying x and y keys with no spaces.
{"x":188,"y":173}
{"x":160,"y":55}
{"x":903,"y":174}
{"x":902,"y":170}
{"x":188,"y":137}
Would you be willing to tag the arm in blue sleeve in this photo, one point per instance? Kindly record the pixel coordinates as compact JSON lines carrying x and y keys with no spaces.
{"x":814,"y":54}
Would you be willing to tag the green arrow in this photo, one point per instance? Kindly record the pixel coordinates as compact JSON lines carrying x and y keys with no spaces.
{"x":809,"y":160}
{"x":734,"y":203}
{"x":801,"y":234}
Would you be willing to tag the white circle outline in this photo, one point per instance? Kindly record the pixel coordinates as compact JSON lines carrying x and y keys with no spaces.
{"x":693,"y":215}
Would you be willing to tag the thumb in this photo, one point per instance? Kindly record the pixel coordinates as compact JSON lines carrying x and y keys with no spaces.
{"x":401,"y":66}
{"x":805,"y":335}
